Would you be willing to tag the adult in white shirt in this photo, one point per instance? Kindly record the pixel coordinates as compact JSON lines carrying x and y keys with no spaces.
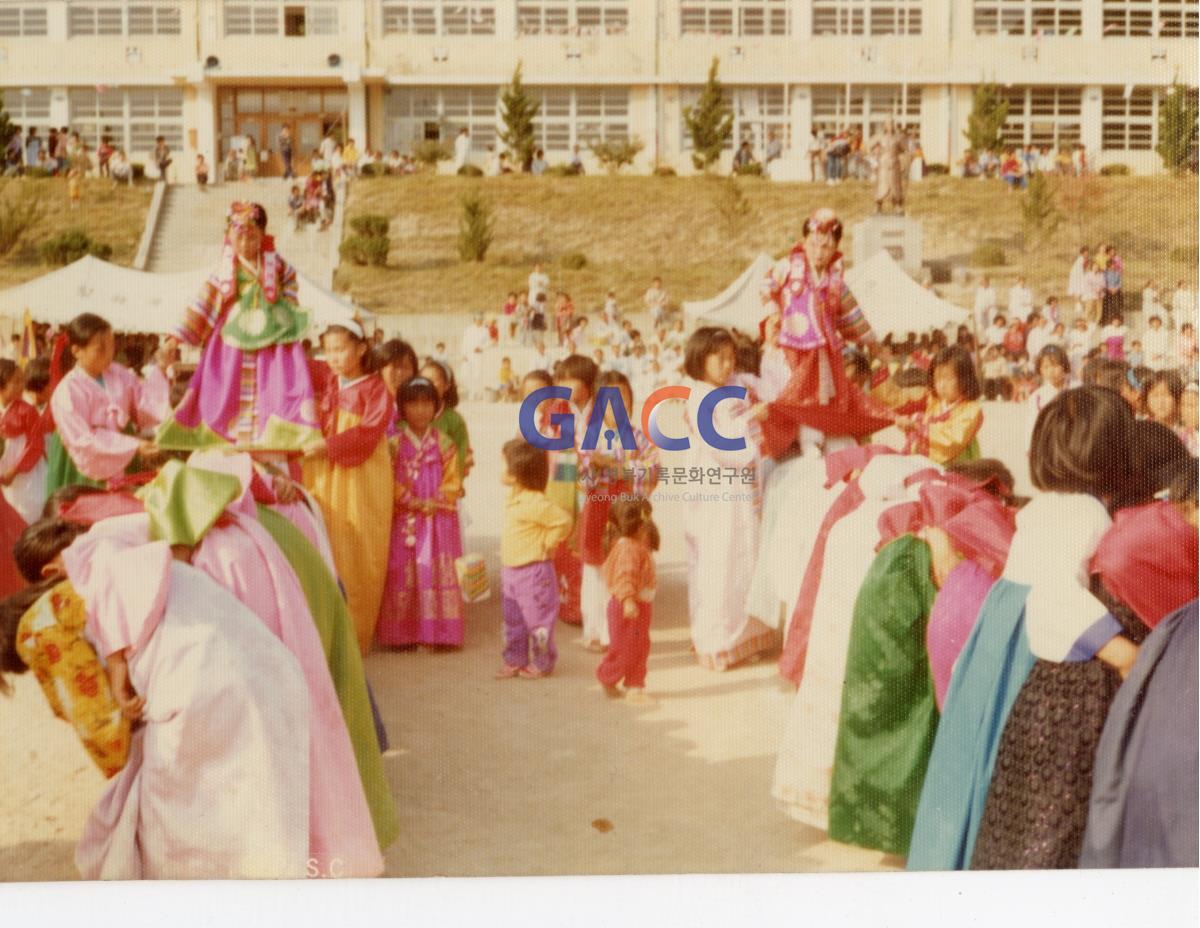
{"x":539,"y":282}
{"x":1037,"y":336}
{"x":1020,"y":300}
{"x":475,"y":339}
{"x":1157,"y":351}
{"x":1183,"y":304}
{"x":462,"y":148}
{"x":986,"y":305}
{"x":1075,"y":280}
{"x":329,"y":145}
{"x":1152,"y":303}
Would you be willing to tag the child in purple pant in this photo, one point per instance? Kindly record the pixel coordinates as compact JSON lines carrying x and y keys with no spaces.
{"x":533,"y":528}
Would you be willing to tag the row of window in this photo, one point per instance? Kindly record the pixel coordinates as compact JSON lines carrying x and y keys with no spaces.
{"x":1162,"y":18}
{"x":572,"y":116}
{"x":131,"y":118}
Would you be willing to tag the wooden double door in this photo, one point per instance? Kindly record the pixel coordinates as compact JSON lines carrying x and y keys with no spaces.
{"x":262,"y":114}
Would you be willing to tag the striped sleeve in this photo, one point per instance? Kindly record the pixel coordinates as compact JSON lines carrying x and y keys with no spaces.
{"x":852,"y":324}
{"x":289,"y":283}
{"x":201,"y":315}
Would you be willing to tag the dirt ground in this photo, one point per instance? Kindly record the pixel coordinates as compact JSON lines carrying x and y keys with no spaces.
{"x":507,"y":778}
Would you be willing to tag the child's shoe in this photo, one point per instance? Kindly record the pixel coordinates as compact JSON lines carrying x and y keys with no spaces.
{"x":532,"y":673}
{"x":507,"y":673}
{"x":611,"y":690}
{"x":636,"y":695}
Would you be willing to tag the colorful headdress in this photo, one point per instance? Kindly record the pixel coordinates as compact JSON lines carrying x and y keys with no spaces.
{"x":242,"y":215}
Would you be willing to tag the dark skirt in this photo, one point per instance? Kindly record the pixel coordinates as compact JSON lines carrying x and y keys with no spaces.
{"x":1037,"y":804}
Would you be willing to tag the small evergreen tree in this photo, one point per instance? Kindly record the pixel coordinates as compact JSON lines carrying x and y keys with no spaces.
{"x":709,"y":122}
{"x":476,"y":228}
{"x":986,"y":122}
{"x":733,"y":207}
{"x":615,"y":155}
{"x":1177,"y":128}
{"x":7,"y":128}
{"x":518,"y":112}
{"x":1039,"y":214}
{"x":1082,"y":200}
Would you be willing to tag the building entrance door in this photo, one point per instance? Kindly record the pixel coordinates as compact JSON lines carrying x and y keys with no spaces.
{"x":261,"y":113}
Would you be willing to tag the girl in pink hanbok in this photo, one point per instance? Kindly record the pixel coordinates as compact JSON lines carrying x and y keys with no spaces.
{"x":421,"y":602}
{"x":100,"y":411}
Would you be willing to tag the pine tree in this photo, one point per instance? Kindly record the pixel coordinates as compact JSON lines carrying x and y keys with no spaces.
{"x":519,"y":111}
{"x":1177,"y":128}
{"x":986,"y":122}
{"x":7,"y":128}
{"x":709,"y":122}
{"x":1039,"y":214}
{"x":476,"y":228}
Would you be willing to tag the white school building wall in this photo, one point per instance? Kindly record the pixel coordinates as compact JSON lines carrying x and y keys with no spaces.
{"x":393,"y":72}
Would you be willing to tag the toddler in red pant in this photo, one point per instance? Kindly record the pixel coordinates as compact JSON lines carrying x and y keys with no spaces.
{"x":628,"y":570}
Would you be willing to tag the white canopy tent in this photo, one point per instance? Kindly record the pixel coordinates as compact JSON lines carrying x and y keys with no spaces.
{"x":891,"y":300}
{"x":739,"y":304}
{"x":139,"y":301}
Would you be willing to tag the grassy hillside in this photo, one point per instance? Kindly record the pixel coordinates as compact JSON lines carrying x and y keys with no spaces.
{"x":113,"y":215}
{"x":698,"y":233}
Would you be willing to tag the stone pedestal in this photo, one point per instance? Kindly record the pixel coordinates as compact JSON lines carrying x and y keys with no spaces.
{"x":900,"y":236}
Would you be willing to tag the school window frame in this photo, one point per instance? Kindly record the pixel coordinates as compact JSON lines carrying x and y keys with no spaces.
{"x":1028,"y":17}
{"x":19,"y":20}
{"x":285,"y":18}
{"x":735,"y":17}
{"x":571,"y":116}
{"x":29,"y":107}
{"x":757,"y":111}
{"x":572,"y":17}
{"x":131,"y":117}
{"x":867,"y":107}
{"x":415,"y":114}
{"x":1041,"y":115}
{"x":1129,"y":117}
{"x":867,"y":17}
{"x":437,"y":17}
{"x":1164,"y":19}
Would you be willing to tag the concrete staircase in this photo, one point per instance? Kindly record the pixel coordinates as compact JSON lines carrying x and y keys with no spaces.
{"x":192,"y":222}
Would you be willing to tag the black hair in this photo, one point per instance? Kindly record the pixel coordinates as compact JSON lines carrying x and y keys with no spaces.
{"x":990,"y":474}
{"x":1184,"y":486}
{"x":37,"y":374}
{"x":415,"y":390}
{"x":393,"y":351}
{"x":625,"y":517}
{"x":1056,"y":354}
{"x":12,"y":609}
{"x":540,"y":375}
{"x":66,"y":495}
{"x":1156,"y":453}
{"x":964,"y":370}
{"x":8,"y":370}
{"x":578,"y":367}
{"x":80,"y":331}
{"x":614,"y":379}
{"x":450,"y":399}
{"x":1100,"y":371}
{"x":747,"y":356}
{"x":529,"y":465}
{"x":837,"y":229}
{"x":1081,"y":443}
{"x":1171,"y":378}
{"x":368,"y":358}
{"x":704,"y":341}
{"x":42,"y":542}
{"x":858,"y":361}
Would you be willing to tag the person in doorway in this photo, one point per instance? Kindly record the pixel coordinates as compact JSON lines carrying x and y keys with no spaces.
{"x":162,"y":157}
{"x":286,"y":151}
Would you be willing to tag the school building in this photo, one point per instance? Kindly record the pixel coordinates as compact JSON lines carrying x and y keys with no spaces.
{"x":393,"y":72}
